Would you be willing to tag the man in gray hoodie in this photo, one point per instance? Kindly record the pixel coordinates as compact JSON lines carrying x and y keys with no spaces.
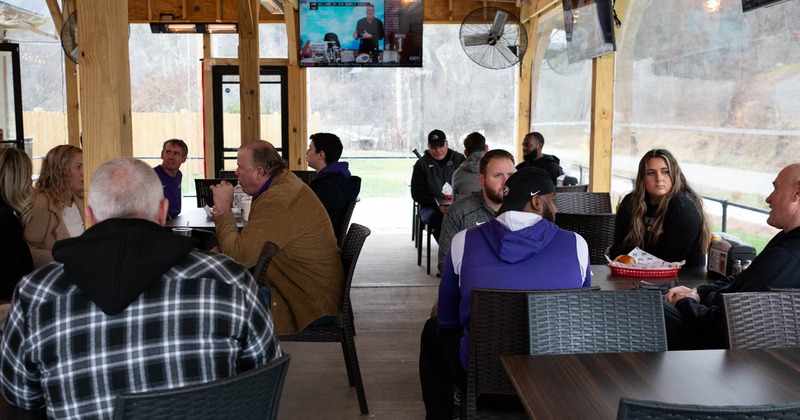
{"x":465,"y":178}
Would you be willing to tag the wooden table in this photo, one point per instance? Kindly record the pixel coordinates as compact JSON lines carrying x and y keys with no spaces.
{"x":687,"y":276}
{"x":585,"y":386}
{"x":197,"y":218}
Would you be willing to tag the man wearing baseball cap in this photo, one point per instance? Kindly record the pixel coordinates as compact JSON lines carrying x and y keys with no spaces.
{"x":431,"y":172}
{"x":521,"y":249}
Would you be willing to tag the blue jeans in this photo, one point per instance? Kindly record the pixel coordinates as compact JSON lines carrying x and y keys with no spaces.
{"x":433,"y":218}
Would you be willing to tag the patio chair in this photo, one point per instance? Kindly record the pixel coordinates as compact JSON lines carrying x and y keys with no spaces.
{"x":572,"y":188}
{"x":762,"y":319}
{"x":348,"y":214}
{"x":498,"y":325}
{"x":602,"y":322}
{"x":596,"y":228}
{"x":203,"y":188}
{"x":253,"y":394}
{"x":583,"y":202}
{"x":630,"y":409}
{"x":305,"y":176}
{"x":341,"y":330}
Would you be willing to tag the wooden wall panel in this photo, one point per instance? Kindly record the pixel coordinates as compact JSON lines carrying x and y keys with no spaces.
{"x":197,"y":11}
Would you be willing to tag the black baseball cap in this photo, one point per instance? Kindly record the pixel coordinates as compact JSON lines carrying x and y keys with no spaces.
{"x":523,"y":185}
{"x":436,"y":138}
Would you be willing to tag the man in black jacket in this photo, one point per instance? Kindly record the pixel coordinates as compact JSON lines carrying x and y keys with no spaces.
{"x":532,"y":145}
{"x":695,"y":317}
{"x":431,"y":172}
{"x":334,"y":185}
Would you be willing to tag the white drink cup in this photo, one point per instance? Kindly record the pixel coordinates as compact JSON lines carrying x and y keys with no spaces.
{"x":246,"y":202}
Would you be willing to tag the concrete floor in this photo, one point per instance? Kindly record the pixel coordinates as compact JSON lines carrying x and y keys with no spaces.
{"x":392,"y":298}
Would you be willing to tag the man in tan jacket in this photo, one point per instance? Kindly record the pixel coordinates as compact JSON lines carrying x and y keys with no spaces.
{"x":305,"y":279}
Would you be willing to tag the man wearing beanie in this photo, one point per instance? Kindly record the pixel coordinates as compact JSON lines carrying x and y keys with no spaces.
{"x":521,"y":249}
{"x":431,"y":172}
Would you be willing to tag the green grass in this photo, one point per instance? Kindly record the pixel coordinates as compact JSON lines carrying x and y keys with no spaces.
{"x":383,"y":177}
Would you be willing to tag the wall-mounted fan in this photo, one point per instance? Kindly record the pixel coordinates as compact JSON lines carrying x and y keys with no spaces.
{"x":69,"y":36}
{"x":493,"y":38}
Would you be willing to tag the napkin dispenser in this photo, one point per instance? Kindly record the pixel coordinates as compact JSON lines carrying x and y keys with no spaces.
{"x":724,"y":251}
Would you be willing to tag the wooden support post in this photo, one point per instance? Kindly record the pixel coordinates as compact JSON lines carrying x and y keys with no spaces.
{"x":602,"y":118}
{"x":298,"y":111}
{"x":249,"y":78}
{"x":105,"y":85}
{"x":208,"y":106}
{"x":70,"y":79}
{"x":524,"y":106}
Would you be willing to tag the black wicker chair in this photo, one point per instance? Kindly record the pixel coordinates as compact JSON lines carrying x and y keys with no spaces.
{"x":630,"y":409}
{"x":597,"y":229}
{"x":306,"y":176}
{"x":602,"y":322}
{"x":583,"y":202}
{"x":341,"y":330}
{"x":254,"y":394}
{"x":203,"y":188}
{"x":348,"y":214}
{"x":572,"y":188}
{"x":498,"y":325}
{"x":762,"y":319}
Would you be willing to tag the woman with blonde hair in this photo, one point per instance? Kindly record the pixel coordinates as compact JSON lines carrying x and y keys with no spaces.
{"x":16,"y":193}
{"x":58,"y":205}
{"x":663,"y":215}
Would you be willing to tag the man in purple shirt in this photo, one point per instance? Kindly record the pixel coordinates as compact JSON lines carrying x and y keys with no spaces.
{"x":521,"y":249}
{"x":173,"y":154}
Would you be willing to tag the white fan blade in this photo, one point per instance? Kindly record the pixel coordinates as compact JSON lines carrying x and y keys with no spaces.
{"x":506,"y":52}
{"x":499,"y":22}
{"x":475,"y":40}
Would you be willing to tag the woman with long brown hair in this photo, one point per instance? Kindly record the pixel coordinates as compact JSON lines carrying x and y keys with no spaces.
{"x":16,"y":194}
{"x":58,"y":205}
{"x":663,"y":215}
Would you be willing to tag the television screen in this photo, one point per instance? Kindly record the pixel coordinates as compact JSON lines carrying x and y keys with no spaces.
{"x":748,"y":5}
{"x":589,"y":25}
{"x":381,"y":33}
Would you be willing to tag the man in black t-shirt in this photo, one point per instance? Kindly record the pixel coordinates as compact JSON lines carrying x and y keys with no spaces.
{"x":369,"y":30}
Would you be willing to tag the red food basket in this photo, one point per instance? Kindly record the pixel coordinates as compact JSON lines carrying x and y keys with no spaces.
{"x":644,"y":272}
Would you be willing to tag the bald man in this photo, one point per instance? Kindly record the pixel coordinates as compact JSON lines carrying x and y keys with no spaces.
{"x":695,"y":317}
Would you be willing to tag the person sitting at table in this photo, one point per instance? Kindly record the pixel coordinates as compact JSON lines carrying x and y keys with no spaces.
{"x":434,"y":169}
{"x":521,"y":249}
{"x":695,"y":318}
{"x":305,"y":280}
{"x":335,"y":187}
{"x":494,"y":169}
{"x":663,"y":215}
{"x":57,"y":211}
{"x":129,"y":307}
{"x":16,"y":195}
{"x":465,"y":178}
{"x":532,"y":155}
{"x":173,"y":155}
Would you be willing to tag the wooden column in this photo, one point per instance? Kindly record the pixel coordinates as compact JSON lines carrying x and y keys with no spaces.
{"x":298,"y":111}
{"x":105,"y":82}
{"x":602,"y":117}
{"x":208,"y":106}
{"x":248,"y":70}
{"x":526,"y":67}
{"x":70,"y":79}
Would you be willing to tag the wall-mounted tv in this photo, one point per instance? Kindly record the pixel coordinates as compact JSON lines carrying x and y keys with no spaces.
{"x":589,"y":25}
{"x":378,"y":33}
{"x":748,"y":5}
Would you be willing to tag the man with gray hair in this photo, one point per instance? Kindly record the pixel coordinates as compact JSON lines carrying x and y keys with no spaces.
{"x":128,"y":307}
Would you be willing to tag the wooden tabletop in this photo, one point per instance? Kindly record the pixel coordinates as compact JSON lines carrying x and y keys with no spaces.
{"x":583,"y":386}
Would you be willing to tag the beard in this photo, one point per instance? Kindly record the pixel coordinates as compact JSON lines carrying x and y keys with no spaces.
{"x":495,"y":196}
{"x":548,"y":214}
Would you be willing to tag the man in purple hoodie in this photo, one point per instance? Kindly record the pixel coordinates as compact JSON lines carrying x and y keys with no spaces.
{"x":522,"y":249}
{"x":335,"y":187}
